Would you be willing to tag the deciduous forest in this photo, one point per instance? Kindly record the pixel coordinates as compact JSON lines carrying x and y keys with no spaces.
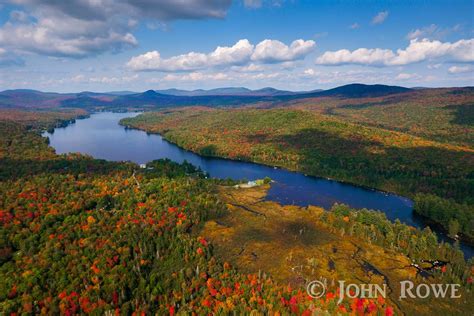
{"x":371,"y":142}
{"x":80,"y":235}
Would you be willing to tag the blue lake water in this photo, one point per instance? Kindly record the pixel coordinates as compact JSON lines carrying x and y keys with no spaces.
{"x":102,"y":137}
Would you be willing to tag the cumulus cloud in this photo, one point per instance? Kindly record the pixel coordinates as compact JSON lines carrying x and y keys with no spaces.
{"x":241,"y":53}
{"x":380,"y":17}
{"x":460,"y":69}
{"x":462,"y":50}
{"x":78,"y":28}
{"x":271,"y":51}
{"x":417,"y":51}
{"x":237,"y":54}
{"x":65,"y":37}
{"x":365,"y":56}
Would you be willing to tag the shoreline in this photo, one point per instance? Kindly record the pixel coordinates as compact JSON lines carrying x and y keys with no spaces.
{"x":442,"y":234}
{"x":427,"y":221}
{"x":365,"y":187}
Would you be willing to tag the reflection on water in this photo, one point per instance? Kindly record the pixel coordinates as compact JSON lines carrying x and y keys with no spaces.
{"x":102,"y":137}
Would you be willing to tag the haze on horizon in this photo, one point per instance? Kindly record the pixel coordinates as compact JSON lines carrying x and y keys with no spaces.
{"x":107,"y":45}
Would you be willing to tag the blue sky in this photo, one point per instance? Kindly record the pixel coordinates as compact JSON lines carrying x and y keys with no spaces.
{"x":107,"y":45}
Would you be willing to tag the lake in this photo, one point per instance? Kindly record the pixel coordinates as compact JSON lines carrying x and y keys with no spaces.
{"x":102,"y":137}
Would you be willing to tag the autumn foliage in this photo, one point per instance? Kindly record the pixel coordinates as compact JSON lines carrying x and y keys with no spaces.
{"x":87,"y":239}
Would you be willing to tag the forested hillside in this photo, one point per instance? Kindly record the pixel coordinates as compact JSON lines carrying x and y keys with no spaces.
{"x":86,"y":236}
{"x":445,"y":115}
{"x":81,"y":236}
{"x":37,"y":120}
{"x":328,"y":146}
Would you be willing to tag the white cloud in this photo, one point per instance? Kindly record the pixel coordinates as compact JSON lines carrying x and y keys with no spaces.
{"x":237,"y":54}
{"x":460,"y":69}
{"x":462,"y":50}
{"x":197,"y":76}
{"x":380,"y":17}
{"x":78,"y":28}
{"x":344,"y":77}
{"x":241,"y":53}
{"x":78,"y":78}
{"x":365,"y":56}
{"x":111,"y":80}
{"x":18,"y":16}
{"x":271,"y":51}
{"x":229,"y":77}
{"x":435,"y":66}
{"x":64,"y":37}
{"x":256,"y":4}
{"x":8,"y":59}
{"x":102,"y":79}
{"x":432,"y":31}
{"x":407,"y":76}
{"x":153,"y":61}
{"x":157,"y":25}
{"x":354,"y":26}
{"x":309,"y":72}
{"x":264,"y":76}
{"x":253,"y":3}
{"x":423,"y":32}
{"x":249,"y":68}
{"x":417,"y":51}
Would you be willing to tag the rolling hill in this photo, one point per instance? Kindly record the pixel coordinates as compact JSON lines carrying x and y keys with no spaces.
{"x":174,"y":97}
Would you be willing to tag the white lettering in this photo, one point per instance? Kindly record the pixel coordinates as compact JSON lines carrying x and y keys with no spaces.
{"x":427,"y":290}
{"x":380,"y":290}
{"x":366,"y":291}
{"x":356,"y":291}
{"x":341,"y":291}
{"x":404,"y":290}
{"x":440,"y":290}
{"x":454,"y":290}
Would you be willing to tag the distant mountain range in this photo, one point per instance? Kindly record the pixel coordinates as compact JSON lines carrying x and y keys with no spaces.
{"x":358,"y":90}
{"x":232,"y":96}
{"x":232,"y":91}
